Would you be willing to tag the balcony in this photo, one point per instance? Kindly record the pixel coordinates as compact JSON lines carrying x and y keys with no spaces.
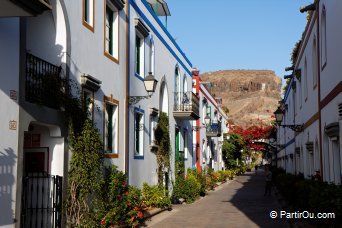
{"x":214,"y":130}
{"x":43,"y":82}
{"x":24,"y":8}
{"x":186,"y":106}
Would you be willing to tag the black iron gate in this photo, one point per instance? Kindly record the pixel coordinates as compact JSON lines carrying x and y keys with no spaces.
{"x":42,"y":201}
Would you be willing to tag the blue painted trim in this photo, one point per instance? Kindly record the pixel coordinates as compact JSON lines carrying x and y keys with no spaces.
{"x":142,"y":111}
{"x":288,"y":90}
{"x":139,"y":157}
{"x":290,"y":142}
{"x":165,"y":30}
{"x":139,"y":77}
{"x":142,"y":15}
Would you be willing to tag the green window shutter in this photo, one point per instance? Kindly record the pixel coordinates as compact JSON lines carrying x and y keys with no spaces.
{"x":137,"y":132}
{"x":110,"y":12}
{"x":86,"y":10}
{"x":137,"y":51}
{"x":110,"y":112}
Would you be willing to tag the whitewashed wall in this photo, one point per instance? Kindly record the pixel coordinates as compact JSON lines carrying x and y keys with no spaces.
{"x":9,"y":64}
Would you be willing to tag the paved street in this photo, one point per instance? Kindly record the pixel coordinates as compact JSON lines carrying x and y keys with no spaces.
{"x":237,"y":203}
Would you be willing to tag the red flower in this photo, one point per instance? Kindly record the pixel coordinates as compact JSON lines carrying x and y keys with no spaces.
{"x":103,"y":222}
{"x":140,"y":214}
{"x":124,"y":184}
{"x":129,"y":204}
{"x":119,"y":196}
{"x":126,"y":193}
{"x":136,"y":208}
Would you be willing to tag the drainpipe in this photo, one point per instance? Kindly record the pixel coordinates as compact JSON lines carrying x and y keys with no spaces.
{"x":319,"y":90}
{"x":127,"y":94}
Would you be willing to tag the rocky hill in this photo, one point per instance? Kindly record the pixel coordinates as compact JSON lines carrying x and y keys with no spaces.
{"x":250,"y":95}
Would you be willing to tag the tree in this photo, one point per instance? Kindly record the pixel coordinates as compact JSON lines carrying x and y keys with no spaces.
{"x":231,"y":150}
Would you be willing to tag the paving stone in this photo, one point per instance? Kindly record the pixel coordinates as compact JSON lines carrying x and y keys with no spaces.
{"x":236,"y":203}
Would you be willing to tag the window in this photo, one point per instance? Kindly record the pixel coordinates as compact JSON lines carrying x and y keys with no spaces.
{"x":177,"y":87}
{"x":138,"y":132}
{"x":111,"y":125}
{"x":204,"y":111}
{"x":111,"y":31}
{"x":186,"y":150}
{"x":300,"y":88}
{"x":305,"y":80}
{"x":141,"y":33}
{"x":153,"y":125}
{"x":88,"y":14}
{"x":323,"y":38}
{"x":152,"y":56}
{"x":88,"y":102}
{"x":185,"y":84}
{"x":314,"y":63}
{"x":139,"y":55}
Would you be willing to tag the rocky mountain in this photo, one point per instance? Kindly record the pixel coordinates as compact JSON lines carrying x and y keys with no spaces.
{"x":250,"y":95}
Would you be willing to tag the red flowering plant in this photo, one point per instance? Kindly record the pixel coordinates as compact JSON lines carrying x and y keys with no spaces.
{"x":136,"y":207}
{"x":122,"y":202}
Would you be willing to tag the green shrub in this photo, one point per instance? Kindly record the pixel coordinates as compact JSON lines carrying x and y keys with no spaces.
{"x":154,"y":196}
{"x":200,"y":178}
{"x":187,"y":188}
{"x":313,"y":196}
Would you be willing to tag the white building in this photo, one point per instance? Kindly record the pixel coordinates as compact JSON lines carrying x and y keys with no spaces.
{"x":208,"y":138}
{"x":313,"y":99}
{"x":154,"y":51}
{"x":84,"y":41}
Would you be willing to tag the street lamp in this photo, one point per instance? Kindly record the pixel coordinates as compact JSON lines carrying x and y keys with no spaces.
{"x":279,"y":115}
{"x":150,"y":84}
{"x":207,"y":120}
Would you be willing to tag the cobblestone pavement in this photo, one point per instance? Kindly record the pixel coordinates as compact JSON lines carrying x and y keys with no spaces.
{"x":237,"y":203}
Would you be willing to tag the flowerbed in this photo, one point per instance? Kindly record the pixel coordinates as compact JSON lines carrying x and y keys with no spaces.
{"x":309,"y":195}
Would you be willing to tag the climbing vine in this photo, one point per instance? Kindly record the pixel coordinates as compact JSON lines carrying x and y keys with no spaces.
{"x":164,"y":145}
{"x":85,"y":176}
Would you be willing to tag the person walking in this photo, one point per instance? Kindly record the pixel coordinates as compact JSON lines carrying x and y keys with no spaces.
{"x":268,"y":179}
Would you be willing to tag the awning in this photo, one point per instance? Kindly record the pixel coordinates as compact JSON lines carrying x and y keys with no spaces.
{"x":159,"y":7}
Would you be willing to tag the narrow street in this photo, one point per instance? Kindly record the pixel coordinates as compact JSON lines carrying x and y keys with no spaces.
{"x":237,"y":203}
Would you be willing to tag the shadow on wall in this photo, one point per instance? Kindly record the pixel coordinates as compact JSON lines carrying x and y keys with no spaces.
{"x":7,"y":162}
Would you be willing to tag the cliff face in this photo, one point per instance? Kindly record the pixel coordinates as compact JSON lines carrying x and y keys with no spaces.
{"x":250,"y":95}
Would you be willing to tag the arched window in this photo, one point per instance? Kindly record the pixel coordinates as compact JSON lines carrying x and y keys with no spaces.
{"x":323,"y":38}
{"x":305,"y":82}
{"x":152,"y":56}
{"x":185,"y":84}
{"x":164,"y":98}
{"x":314,"y":63}
{"x":177,"y":86}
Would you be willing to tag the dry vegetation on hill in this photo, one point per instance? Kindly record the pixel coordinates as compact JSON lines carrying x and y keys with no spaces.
{"x":250,"y":95}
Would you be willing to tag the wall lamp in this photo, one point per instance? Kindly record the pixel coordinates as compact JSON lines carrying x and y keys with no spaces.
{"x":150,"y":85}
{"x":289,"y":68}
{"x":279,"y":115}
{"x":310,"y":7}
{"x":207,"y":120}
{"x":288,"y":76}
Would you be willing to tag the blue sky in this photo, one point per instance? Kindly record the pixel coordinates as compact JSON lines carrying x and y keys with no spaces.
{"x":237,"y":34}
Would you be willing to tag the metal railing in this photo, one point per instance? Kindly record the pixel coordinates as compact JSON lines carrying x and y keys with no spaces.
{"x":214,"y":129}
{"x":186,"y":101}
{"x":40,"y":74}
{"x":42,"y":201}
